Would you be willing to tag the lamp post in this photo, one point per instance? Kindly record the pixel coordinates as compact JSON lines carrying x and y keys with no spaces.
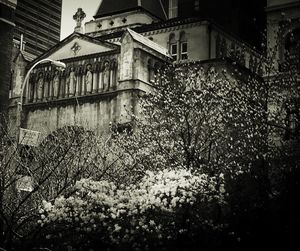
{"x":25,"y":83}
{"x":29,"y":137}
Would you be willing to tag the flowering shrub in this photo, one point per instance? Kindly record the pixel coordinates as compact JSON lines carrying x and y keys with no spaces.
{"x":162,"y":208}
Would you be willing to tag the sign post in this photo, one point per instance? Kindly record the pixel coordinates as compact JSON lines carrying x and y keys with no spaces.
{"x":24,"y":183}
{"x":29,"y":137}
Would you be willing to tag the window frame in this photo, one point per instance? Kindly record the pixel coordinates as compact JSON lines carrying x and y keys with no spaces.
{"x":183,"y":53}
{"x":197,"y":5}
{"x":174,"y":53}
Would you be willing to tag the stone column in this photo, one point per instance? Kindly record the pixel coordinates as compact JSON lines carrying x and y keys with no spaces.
{"x":95,"y":79}
{"x":79,"y":82}
{"x":62,"y":85}
{"x":47,"y":86}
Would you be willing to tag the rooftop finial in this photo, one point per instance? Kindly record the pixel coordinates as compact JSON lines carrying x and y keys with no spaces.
{"x":78,"y":17}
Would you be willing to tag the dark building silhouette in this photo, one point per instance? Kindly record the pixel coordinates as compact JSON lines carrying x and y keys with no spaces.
{"x":246,"y":19}
{"x":7,"y":12}
{"x":155,"y":7}
{"x":40,"y":23}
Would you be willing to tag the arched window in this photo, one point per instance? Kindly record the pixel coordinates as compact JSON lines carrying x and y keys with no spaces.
{"x":183,"y":46}
{"x":173,"y":46}
{"x":157,"y":72}
{"x":151,"y":73}
{"x":292,"y":47}
{"x":292,"y":119}
{"x":197,"y":5}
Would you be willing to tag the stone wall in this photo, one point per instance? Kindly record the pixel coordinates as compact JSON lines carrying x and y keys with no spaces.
{"x":93,"y":113}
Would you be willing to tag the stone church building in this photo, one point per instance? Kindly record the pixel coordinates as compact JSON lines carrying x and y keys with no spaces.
{"x":116,"y":56}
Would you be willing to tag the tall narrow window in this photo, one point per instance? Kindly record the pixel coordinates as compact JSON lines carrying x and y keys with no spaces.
{"x":173,"y":8}
{"x":151,"y":77}
{"x":292,"y":119}
{"x":173,"y":46}
{"x":183,"y":46}
{"x":197,"y":5}
{"x":292,"y":49}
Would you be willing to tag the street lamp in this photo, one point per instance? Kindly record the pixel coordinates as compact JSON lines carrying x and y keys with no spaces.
{"x":25,"y":82}
{"x":29,"y":137}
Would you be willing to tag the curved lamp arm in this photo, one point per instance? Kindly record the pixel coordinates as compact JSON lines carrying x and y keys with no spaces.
{"x":57,"y":63}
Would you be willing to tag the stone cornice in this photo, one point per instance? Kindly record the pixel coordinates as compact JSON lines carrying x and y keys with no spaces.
{"x":88,"y":56}
{"x":76,"y":100}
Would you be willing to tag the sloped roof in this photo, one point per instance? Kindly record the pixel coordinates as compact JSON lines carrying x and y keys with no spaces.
{"x":68,"y":39}
{"x":149,"y":43}
{"x":28,"y":56}
{"x":110,"y":7}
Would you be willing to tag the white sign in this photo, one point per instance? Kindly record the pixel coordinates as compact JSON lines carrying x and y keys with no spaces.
{"x":29,"y":137}
{"x":24,"y":183}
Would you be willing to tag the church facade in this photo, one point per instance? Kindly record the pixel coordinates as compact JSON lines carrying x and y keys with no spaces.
{"x":114,"y":58}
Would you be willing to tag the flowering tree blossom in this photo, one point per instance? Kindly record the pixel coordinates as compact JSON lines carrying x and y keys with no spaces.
{"x":200,"y":118}
{"x":162,"y":207}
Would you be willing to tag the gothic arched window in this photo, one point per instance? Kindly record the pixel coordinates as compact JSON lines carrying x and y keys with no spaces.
{"x":173,"y":46}
{"x":183,"y":46}
{"x":292,"y":47}
{"x":197,"y":5}
{"x":151,"y":73}
{"x":292,"y":119}
{"x":157,"y":68}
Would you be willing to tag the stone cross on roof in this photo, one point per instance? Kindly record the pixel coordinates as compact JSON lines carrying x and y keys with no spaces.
{"x":78,"y":17}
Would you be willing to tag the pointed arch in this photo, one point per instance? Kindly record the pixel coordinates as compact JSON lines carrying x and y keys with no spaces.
{"x":183,"y":46}
{"x":173,"y":47}
{"x":151,"y":73}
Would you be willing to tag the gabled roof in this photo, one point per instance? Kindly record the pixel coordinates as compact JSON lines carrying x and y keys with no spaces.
{"x":148,"y":43}
{"x":111,"y":7}
{"x":78,"y":36}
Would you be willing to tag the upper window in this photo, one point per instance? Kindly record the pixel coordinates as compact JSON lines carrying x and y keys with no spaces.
{"x":173,"y":8}
{"x":151,"y":74}
{"x":292,"y":48}
{"x":183,"y":49}
{"x":183,"y":46}
{"x":174,"y":51}
{"x":197,"y":5}
{"x":173,"y":47}
{"x":292,"y":119}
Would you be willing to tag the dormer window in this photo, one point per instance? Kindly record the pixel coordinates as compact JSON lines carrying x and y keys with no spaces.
{"x":173,"y":8}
